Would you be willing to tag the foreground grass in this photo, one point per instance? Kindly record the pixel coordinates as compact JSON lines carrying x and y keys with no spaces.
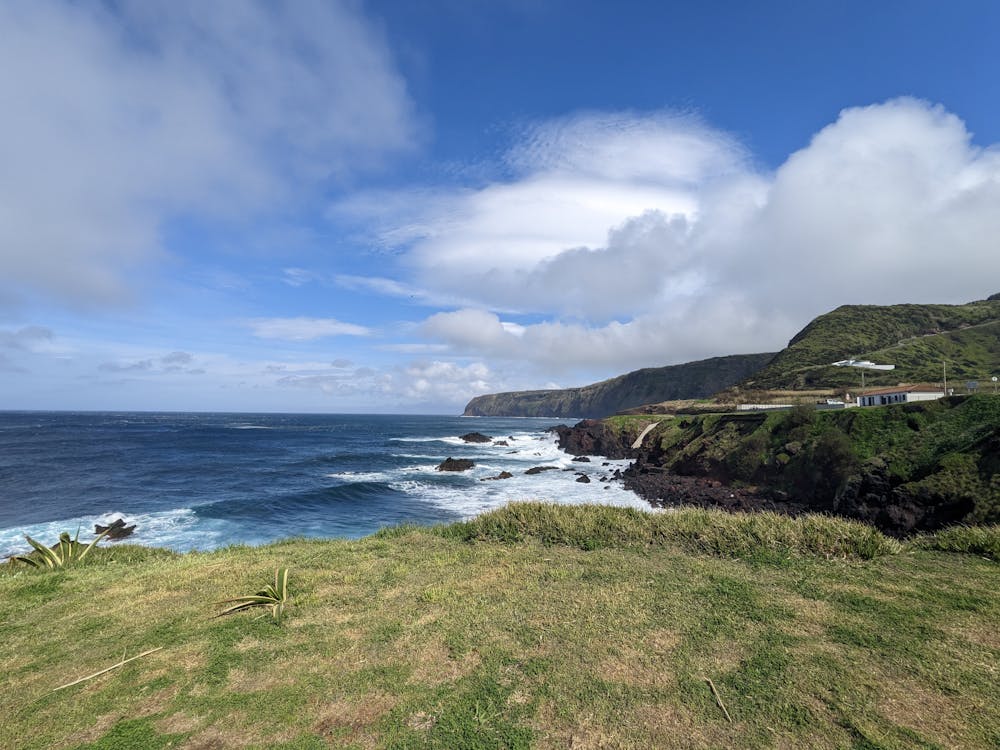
{"x":530,"y":627}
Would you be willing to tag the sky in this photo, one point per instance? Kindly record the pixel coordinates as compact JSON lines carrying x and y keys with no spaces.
{"x":388,"y":206}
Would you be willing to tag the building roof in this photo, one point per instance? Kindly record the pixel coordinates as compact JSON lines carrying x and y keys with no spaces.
{"x":919,"y":388}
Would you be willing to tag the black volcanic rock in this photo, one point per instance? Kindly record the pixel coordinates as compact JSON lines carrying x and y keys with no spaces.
{"x":582,"y":459}
{"x":476,"y":437}
{"x":456,"y":464}
{"x":592,"y":437}
{"x":583,"y":479}
{"x":540,"y":469}
{"x":501,"y":475}
{"x":115,"y":530}
{"x":502,"y":443}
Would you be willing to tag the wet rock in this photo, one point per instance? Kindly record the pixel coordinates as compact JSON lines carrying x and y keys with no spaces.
{"x":116,"y":529}
{"x":476,"y":437}
{"x":540,"y":469}
{"x":583,"y":479}
{"x":582,"y":460}
{"x":592,"y":437}
{"x":503,"y":443}
{"x":456,"y":464}
{"x":501,"y":475}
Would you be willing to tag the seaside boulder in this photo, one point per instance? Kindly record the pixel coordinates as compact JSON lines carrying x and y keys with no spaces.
{"x":540,"y":469}
{"x":476,"y":437}
{"x":583,"y":478}
{"x":504,"y":443}
{"x":115,"y":530}
{"x":582,"y":459}
{"x":456,"y":464}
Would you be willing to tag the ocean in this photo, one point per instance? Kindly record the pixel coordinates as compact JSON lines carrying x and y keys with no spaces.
{"x":202,"y":481}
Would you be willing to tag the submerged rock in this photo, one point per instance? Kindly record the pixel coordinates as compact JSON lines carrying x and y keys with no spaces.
{"x":456,"y":464}
{"x":582,"y":459}
{"x":504,"y":443}
{"x":583,"y":478}
{"x":501,"y":475}
{"x":540,"y":469}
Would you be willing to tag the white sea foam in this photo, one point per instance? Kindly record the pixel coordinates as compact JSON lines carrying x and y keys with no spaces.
{"x":179,"y":529}
{"x":362,"y":476}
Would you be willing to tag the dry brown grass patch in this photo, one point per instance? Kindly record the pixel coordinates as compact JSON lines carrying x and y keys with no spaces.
{"x":433,"y":664}
{"x":351,"y":721}
{"x":90,"y":734}
{"x":240,"y":680}
{"x":178,"y":723}
{"x":662,"y":641}
{"x":633,"y":667}
{"x":585,"y":734}
{"x":906,"y":702}
{"x":668,"y":725}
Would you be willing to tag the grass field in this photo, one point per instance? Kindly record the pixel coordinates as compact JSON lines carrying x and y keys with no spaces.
{"x":532,"y":626}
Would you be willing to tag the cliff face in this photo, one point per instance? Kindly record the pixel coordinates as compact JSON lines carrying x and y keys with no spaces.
{"x":651,"y":385}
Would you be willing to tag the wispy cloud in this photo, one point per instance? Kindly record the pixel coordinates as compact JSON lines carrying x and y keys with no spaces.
{"x":121,"y":116}
{"x":304,"y":329}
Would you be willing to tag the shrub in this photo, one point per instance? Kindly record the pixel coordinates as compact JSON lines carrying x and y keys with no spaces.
{"x":271,"y":596}
{"x":745,"y":461}
{"x":974,"y":540}
{"x":822,"y":469}
{"x":714,"y":532}
{"x":64,"y":553}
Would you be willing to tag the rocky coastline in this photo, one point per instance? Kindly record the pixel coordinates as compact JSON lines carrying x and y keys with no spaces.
{"x":701,"y":463}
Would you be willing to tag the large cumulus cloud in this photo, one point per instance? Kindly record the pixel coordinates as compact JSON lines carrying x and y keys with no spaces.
{"x":636,"y":240}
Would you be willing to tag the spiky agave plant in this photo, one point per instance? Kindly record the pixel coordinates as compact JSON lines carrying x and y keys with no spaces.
{"x":273,"y":596}
{"x":66,"y":552}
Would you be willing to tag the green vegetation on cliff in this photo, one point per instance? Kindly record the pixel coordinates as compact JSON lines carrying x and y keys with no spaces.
{"x":903,"y":467}
{"x":650,"y":385}
{"x":915,"y":338}
{"x":533,"y":626}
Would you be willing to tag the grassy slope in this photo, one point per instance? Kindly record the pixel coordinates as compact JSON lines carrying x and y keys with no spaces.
{"x":479,"y":635}
{"x":913,"y":337}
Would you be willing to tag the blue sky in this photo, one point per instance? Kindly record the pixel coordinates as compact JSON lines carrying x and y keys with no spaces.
{"x":390,"y":206}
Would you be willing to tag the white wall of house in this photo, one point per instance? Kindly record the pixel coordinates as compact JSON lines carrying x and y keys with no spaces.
{"x":902,"y":397}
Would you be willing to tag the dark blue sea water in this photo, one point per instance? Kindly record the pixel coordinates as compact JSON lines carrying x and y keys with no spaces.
{"x":199,"y":481}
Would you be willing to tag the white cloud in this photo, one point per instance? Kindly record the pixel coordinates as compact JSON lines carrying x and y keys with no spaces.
{"x":304,"y":329}
{"x":650,"y":240}
{"x":119,"y":117}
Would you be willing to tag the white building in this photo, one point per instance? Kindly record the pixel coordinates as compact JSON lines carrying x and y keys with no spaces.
{"x":900,"y":394}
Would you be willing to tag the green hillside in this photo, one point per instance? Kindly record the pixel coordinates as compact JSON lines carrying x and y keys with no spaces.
{"x":691,"y":380}
{"x":915,"y":338}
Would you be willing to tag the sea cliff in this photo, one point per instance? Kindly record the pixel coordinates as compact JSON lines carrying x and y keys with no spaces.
{"x":650,"y":385}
